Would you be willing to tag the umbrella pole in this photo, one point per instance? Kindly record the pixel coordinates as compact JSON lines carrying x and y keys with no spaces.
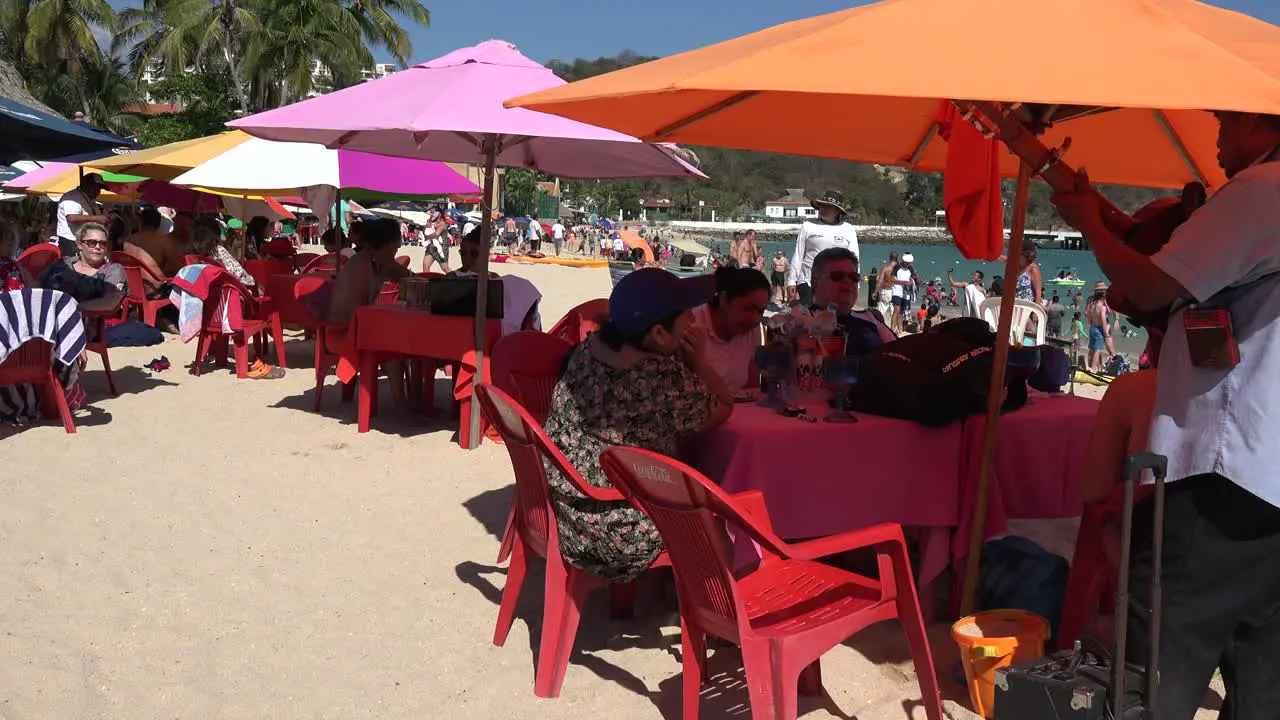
{"x":995,"y":391}
{"x":482,"y":282}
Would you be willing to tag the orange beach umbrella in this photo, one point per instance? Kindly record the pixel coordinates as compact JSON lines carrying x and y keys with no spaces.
{"x":865,"y":83}
{"x":633,"y":241}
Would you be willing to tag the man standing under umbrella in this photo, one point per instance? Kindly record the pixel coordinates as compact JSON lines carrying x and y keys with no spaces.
{"x":1217,"y":408}
{"x":830,"y":230}
{"x":78,"y":207}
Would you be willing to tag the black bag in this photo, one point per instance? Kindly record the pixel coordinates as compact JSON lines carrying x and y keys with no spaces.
{"x":933,"y":379}
{"x":1084,"y":683}
{"x":62,"y":277}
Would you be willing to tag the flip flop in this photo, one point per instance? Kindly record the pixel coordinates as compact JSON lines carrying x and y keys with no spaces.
{"x":266,"y":372}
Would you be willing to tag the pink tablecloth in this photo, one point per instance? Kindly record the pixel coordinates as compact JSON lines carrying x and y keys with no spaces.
{"x":821,"y":479}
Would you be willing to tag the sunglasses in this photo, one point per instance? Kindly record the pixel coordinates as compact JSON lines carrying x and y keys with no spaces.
{"x":838,"y":276}
{"x":94,"y":243}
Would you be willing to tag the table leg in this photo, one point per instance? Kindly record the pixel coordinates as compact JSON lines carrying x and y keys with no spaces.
{"x":368,"y":388}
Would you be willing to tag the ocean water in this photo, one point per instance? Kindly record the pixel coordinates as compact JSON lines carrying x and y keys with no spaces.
{"x":933,"y":261}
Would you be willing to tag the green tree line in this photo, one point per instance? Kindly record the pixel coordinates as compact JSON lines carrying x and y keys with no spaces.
{"x":218,"y":58}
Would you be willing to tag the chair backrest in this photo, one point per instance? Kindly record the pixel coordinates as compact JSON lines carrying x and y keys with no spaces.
{"x":262,"y":270}
{"x":200,"y":260}
{"x":687,"y":509}
{"x":527,"y":366}
{"x":329,"y":262}
{"x":230,"y":299}
{"x":403,"y":260}
{"x":1023,"y":311}
{"x":37,"y":258}
{"x":135,"y":288}
{"x":301,"y":260}
{"x":528,"y":446}
{"x":581,"y":321}
{"x":29,"y":362}
{"x":305,"y":289}
{"x":389,"y":293}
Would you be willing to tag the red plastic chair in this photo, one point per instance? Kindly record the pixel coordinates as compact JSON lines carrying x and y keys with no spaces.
{"x":566,"y":587}
{"x":249,"y":317}
{"x":325,"y":356}
{"x":403,"y":260}
{"x":581,"y":321}
{"x":99,"y":345}
{"x":526,"y":365}
{"x":325,"y":263}
{"x":389,"y":293}
{"x":789,"y":611}
{"x":32,"y":362}
{"x":302,"y":260}
{"x":200,"y":260}
{"x":1091,"y":586}
{"x":37,"y":258}
{"x":137,"y":290}
{"x":261,"y":270}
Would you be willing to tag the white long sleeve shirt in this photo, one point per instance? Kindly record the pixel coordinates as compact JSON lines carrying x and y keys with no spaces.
{"x":815,"y":237}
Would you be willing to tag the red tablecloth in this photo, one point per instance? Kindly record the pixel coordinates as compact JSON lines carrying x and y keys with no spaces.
{"x":823,"y":478}
{"x":392,"y":330}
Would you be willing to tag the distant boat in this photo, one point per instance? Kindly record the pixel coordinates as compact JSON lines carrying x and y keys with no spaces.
{"x":1072,"y":281}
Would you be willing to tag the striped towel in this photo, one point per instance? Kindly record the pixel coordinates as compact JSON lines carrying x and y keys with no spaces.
{"x":50,"y":315}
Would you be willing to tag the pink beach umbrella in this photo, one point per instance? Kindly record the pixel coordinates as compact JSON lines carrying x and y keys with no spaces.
{"x":451,"y":109}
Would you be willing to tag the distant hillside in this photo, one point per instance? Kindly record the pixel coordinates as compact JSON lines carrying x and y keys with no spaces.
{"x":742,"y":180}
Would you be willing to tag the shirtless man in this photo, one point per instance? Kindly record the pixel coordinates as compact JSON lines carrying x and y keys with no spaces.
{"x":747,"y":253}
{"x":156,"y":250}
{"x":1095,"y":313}
{"x":884,"y":287}
{"x":778,"y":277}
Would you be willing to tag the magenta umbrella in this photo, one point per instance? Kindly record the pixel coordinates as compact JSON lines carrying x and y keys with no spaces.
{"x":451,"y":109}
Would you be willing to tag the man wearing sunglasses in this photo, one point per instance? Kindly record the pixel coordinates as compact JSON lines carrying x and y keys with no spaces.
{"x":835,"y":285}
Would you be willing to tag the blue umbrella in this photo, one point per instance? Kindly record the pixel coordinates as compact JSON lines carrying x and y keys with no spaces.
{"x":125,"y":146}
{"x":26,"y":132}
{"x":8,"y":172}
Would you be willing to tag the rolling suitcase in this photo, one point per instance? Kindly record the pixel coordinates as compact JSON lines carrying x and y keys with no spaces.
{"x":1087,"y":683}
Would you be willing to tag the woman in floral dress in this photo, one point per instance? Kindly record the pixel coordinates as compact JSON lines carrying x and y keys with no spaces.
{"x":643,"y":380}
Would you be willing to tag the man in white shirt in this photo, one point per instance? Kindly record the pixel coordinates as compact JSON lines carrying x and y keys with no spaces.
{"x":974,"y":295}
{"x":557,"y":236}
{"x":1217,"y":424}
{"x":78,"y":207}
{"x":619,"y":248}
{"x":831,"y":229}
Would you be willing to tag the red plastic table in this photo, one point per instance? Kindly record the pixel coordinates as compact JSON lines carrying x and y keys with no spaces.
{"x":391,"y":330}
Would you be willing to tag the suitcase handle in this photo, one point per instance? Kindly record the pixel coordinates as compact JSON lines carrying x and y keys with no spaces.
{"x":1133,"y":467}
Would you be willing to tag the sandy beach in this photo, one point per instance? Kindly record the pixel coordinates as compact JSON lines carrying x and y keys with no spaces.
{"x":210,"y":548}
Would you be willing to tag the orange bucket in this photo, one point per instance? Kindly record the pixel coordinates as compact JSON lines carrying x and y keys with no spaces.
{"x":996,"y":639}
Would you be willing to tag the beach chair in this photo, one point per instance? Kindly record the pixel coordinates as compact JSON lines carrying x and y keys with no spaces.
{"x":301,"y":260}
{"x":136,"y":273}
{"x":1023,"y":311}
{"x":787,"y":612}
{"x":32,"y":362}
{"x":581,"y":321}
{"x":37,"y":258}
{"x":566,"y":588}
{"x":403,"y":260}
{"x":325,"y":263}
{"x":200,"y":260}
{"x":232,"y":312}
{"x":262,"y":270}
{"x":526,"y":365}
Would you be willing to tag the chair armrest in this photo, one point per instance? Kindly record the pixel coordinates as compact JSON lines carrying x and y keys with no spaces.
{"x":882,"y":534}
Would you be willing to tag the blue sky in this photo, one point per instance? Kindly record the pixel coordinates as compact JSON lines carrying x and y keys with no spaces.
{"x":567,"y":29}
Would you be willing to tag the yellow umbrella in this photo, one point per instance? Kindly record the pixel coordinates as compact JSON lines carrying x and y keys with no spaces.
{"x":169,"y":161}
{"x":69,"y":180}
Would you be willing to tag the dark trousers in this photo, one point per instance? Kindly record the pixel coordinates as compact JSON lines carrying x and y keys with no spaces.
{"x":805,"y":291}
{"x":1221,"y":589}
{"x":68,"y":248}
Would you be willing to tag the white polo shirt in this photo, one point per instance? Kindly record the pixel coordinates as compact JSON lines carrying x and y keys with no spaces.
{"x":74,"y":202}
{"x":815,"y":237}
{"x":1210,"y":420}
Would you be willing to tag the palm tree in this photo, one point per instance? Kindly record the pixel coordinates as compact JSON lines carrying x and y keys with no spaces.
{"x":63,"y":30}
{"x":380,"y":29}
{"x":184,"y":34}
{"x":304,"y":45}
{"x":101,"y":90}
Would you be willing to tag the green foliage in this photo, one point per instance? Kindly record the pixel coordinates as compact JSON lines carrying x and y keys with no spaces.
{"x":519,"y":192}
{"x":205,"y":102}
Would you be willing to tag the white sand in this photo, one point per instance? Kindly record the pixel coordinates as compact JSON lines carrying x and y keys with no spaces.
{"x":211,"y":548}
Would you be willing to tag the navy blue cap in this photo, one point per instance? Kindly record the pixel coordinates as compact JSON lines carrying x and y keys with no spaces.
{"x":645,"y":296}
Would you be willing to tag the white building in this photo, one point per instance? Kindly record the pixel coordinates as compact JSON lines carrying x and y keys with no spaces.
{"x":379,"y":70}
{"x":795,"y":206}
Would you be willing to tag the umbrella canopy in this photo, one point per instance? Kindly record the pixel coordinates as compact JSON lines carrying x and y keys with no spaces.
{"x":263,"y":167}
{"x":821,"y":86}
{"x":167,"y":162}
{"x":9,"y":173}
{"x":388,"y":116}
{"x":633,"y":241}
{"x":26,"y":132}
{"x":57,"y":178}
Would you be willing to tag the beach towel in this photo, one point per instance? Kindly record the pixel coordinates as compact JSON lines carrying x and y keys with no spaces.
{"x":191,"y":288}
{"x":49,"y":315}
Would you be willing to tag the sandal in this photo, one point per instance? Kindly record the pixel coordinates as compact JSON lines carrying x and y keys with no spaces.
{"x":263,"y":371}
